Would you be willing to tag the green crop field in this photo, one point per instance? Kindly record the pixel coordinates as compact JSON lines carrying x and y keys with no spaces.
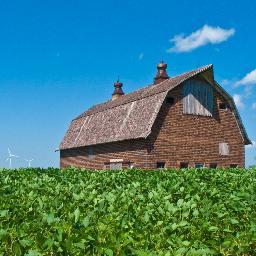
{"x":133,"y":212}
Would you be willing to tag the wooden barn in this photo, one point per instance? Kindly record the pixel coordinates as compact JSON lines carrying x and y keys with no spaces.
{"x":183,"y":121}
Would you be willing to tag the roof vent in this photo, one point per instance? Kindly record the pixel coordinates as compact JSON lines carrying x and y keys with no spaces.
{"x":161,"y":74}
{"x":118,"y":90}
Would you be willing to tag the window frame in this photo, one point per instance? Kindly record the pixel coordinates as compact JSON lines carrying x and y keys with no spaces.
{"x":118,"y":166}
{"x":185,"y":163}
{"x":160,"y":163}
{"x":223,"y":106}
{"x":214,"y":164}
{"x":224,"y":146}
{"x":202,"y":165}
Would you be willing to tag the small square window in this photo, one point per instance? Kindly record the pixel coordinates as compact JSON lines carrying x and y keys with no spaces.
{"x":223,"y":149}
{"x":233,"y":165}
{"x":199,"y":165}
{"x":160,"y":165}
{"x":130,"y":165}
{"x":90,"y":152}
{"x":213,"y":165}
{"x":183,"y":165}
{"x":223,"y":106}
{"x":170,"y":100}
{"x":116,"y":166}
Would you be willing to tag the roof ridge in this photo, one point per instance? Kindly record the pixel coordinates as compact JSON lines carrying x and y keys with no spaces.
{"x":201,"y":69}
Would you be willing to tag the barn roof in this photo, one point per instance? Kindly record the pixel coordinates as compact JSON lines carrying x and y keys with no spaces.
{"x":129,"y":117}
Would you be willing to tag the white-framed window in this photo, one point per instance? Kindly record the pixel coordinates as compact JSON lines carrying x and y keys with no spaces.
{"x":199,"y":165}
{"x":116,"y":166}
{"x":223,"y":149}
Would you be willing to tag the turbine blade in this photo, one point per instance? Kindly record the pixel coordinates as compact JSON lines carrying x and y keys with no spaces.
{"x":9,"y":151}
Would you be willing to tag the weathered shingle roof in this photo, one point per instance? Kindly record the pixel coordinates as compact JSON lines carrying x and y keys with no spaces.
{"x":128,"y":117}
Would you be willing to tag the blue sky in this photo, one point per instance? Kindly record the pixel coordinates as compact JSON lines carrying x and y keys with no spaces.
{"x":57,"y":58}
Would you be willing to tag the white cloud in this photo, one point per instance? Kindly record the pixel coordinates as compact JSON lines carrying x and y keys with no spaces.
{"x":249,"y":79}
{"x":253,"y":145}
{"x":254,"y":105}
{"x":201,"y":37}
{"x":141,"y":56}
{"x":238,"y":100}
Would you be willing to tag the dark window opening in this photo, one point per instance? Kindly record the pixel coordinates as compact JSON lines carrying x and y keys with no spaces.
{"x":170,"y":100}
{"x":233,"y":165}
{"x":199,"y":165}
{"x":183,"y":165}
{"x":160,"y":165}
{"x":90,"y":152}
{"x":223,"y":106}
{"x":213,"y":165}
{"x":131,"y":165}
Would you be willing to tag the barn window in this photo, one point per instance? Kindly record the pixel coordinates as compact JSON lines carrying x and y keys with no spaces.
{"x":160,"y":165}
{"x":131,"y":165}
{"x":183,"y":165}
{"x":199,"y":165}
{"x":197,"y":98}
{"x":233,"y":165}
{"x":116,"y":166}
{"x":223,"y":106}
{"x":213,"y":165}
{"x":170,"y":100}
{"x":90,"y":152}
{"x":224,"y":149}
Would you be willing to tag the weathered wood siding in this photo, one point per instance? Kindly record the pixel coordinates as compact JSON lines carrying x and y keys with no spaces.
{"x":197,"y":98}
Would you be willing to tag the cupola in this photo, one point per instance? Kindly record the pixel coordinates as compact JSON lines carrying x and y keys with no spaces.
{"x":118,"y":90}
{"x":161,"y":74}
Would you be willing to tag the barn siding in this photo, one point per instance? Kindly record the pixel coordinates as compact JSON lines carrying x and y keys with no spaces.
{"x":195,"y":139}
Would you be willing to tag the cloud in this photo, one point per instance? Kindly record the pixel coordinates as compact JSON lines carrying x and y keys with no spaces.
{"x":141,"y":56}
{"x":249,"y":79}
{"x":203,"y":36}
{"x":254,"y":105}
{"x":238,"y":100}
{"x":253,"y":145}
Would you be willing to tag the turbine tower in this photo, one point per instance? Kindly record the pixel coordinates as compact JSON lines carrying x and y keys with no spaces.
{"x":10,"y":157}
{"x":29,"y":162}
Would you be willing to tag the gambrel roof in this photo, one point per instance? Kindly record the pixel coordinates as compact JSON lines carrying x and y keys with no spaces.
{"x":132,"y":115}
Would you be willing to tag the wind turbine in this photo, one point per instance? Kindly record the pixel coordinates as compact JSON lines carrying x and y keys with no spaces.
{"x":10,"y":157}
{"x":29,"y":162}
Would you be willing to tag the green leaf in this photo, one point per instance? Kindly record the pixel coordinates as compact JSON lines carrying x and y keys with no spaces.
{"x":25,"y":242}
{"x":77,"y":214}
{"x":3,"y":233}
{"x":109,"y":252}
{"x":86,"y":221}
{"x":146,"y":217}
{"x":186,"y":243}
{"x":213,"y":229}
{"x":195,"y":213}
{"x":50,"y":218}
{"x":3,"y":213}
{"x":234,"y":221}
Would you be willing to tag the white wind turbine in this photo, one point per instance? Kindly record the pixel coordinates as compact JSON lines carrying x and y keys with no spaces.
{"x":29,"y":162}
{"x":10,"y":157}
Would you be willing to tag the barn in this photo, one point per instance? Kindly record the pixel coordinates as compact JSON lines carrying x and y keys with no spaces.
{"x":176,"y":122}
